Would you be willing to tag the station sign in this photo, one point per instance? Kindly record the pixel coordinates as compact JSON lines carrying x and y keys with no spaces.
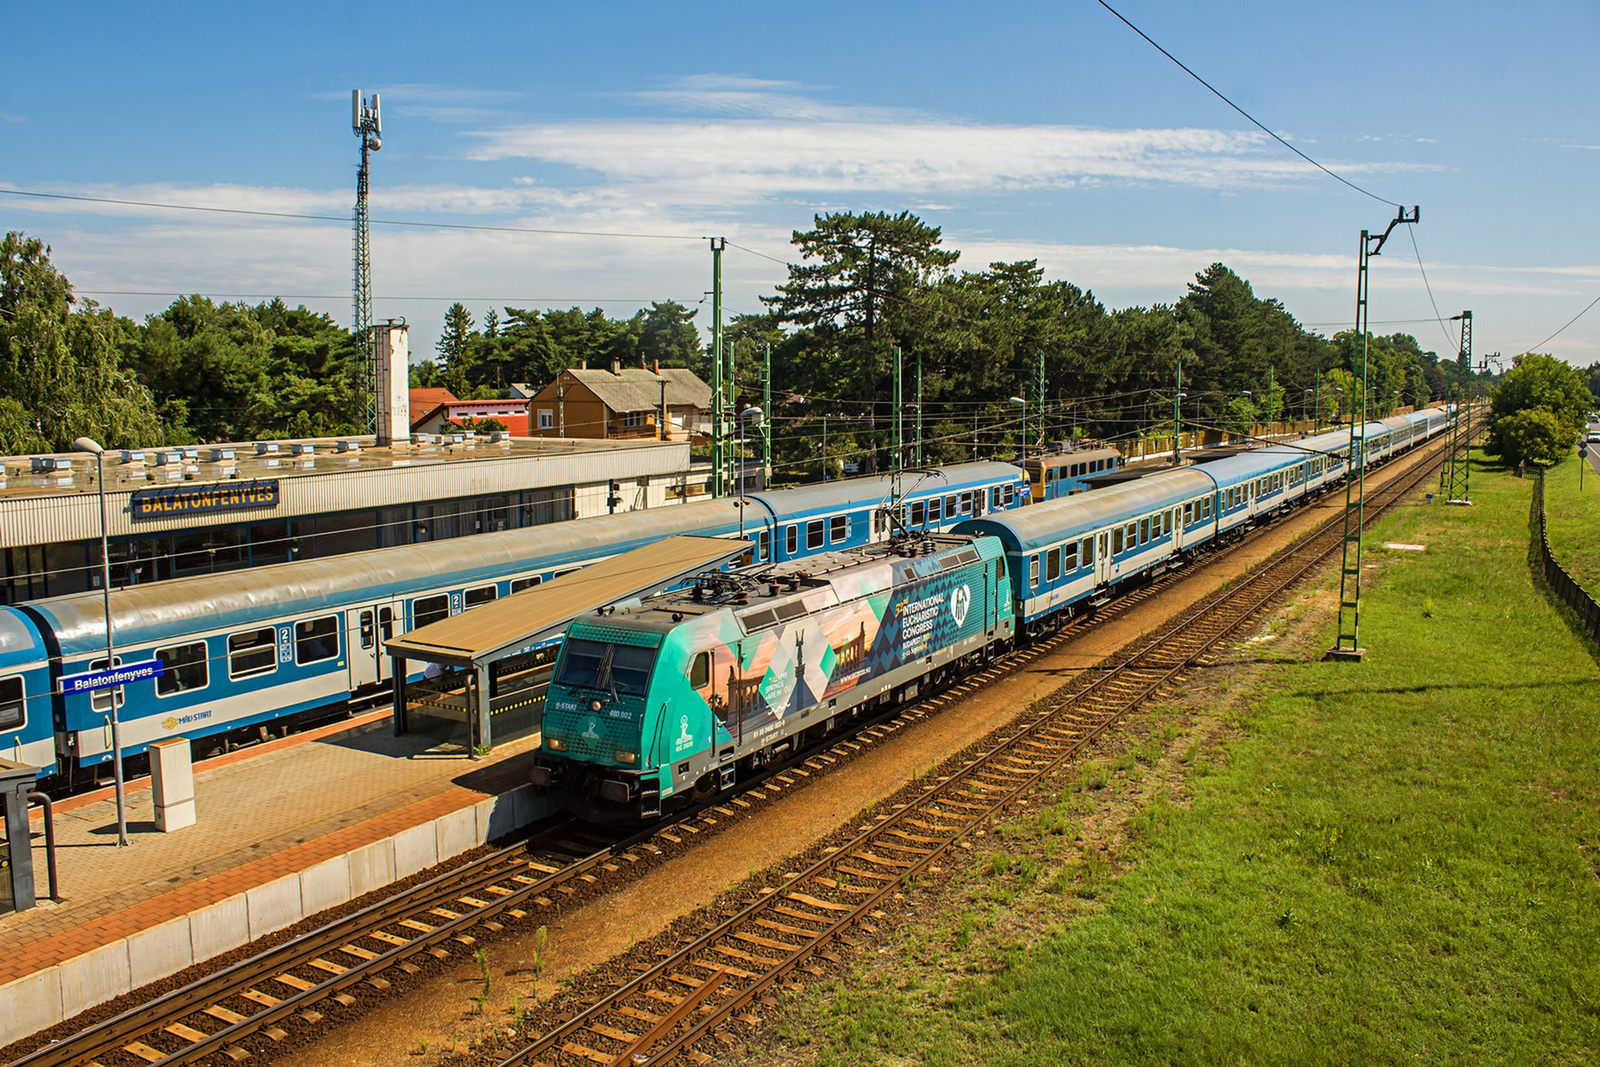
{"x":181,"y":500}
{"x":113,"y":676}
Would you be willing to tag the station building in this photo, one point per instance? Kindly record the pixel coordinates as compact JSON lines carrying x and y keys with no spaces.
{"x":175,"y":512}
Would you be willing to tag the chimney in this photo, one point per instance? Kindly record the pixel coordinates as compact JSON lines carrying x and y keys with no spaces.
{"x":616,"y":367}
{"x":655,"y":367}
{"x":392,"y":388}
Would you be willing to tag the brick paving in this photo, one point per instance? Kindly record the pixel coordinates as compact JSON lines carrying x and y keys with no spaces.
{"x":260,"y":818}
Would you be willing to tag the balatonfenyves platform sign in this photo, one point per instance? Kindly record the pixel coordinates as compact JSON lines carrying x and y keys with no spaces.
{"x":181,"y":500}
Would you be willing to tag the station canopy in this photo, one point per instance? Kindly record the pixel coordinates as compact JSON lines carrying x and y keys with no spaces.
{"x":540,"y":613}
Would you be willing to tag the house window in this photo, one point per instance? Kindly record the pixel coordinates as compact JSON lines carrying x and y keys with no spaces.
{"x":547,"y":419}
{"x":633,"y":419}
{"x":316,"y":639}
{"x":184,"y":669}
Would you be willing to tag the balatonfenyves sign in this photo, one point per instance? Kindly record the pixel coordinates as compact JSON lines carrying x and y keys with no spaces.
{"x":181,"y":500}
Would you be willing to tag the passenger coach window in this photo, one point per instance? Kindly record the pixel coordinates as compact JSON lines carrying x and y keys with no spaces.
{"x":481,"y":596}
{"x":254,"y":652}
{"x":519,"y":584}
{"x":11,"y":703}
{"x":791,"y":540}
{"x":838,"y":529}
{"x":184,"y":668}
{"x":426,"y":609}
{"x":100,"y":699}
{"x":369,"y":632}
{"x":1144,"y":531}
{"x":1166,"y":521}
{"x":1052,"y":567}
{"x":1033,"y":572}
{"x":919,"y":513}
{"x":764,"y":546}
{"x":316,"y":639}
{"x":949,"y":507}
{"x":1116,"y":540}
{"x":813,"y":534}
{"x":1086,"y":551}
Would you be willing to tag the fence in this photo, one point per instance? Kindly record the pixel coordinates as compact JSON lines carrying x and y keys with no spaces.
{"x":1571,"y":593}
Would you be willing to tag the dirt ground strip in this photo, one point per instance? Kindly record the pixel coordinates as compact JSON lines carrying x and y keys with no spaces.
{"x":478,"y":1000}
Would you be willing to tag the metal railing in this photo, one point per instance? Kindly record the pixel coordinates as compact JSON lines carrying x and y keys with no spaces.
{"x":1571,"y":593}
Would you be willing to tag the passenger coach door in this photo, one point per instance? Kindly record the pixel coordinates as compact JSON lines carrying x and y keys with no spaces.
{"x":364,"y":645}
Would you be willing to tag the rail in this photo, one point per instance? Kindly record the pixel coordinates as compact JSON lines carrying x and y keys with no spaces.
{"x":1571,"y":593}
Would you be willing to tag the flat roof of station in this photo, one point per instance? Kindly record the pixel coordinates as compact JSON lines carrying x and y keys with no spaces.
{"x":40,"y":506}
{"x":532,"y":616}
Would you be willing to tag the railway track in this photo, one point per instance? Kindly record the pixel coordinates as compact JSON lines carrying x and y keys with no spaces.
{"x":210,"y":1018}
{"x":662,"y":1010}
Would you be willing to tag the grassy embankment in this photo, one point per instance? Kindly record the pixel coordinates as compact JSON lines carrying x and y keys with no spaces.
{"x":1573,"y":520}
{"x":1397,"y":860}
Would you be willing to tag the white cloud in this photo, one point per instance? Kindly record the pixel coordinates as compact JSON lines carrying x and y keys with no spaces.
{"x":6,"y":116}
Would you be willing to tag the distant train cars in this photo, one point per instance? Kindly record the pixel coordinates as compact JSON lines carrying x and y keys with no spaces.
{"x":1065,"y":473}
{"x":247,"y":651}
{"x":680,"y":696}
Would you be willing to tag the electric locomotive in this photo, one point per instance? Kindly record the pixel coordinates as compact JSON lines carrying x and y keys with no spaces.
{"x":657,"y":705}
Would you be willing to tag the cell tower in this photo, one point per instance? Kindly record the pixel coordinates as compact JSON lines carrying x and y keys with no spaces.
{"x":1454,"y":479}
{"x":367,"y":126}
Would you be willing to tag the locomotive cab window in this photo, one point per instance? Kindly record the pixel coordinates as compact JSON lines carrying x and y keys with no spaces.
{"x":813,"y":535}
{"x":605,"y":667}
{"x":700,"y":671}
{"x":316,"y":639}
{"x":256,"y":652}
{"x":184,"y":669}
{"x":12,"y":706}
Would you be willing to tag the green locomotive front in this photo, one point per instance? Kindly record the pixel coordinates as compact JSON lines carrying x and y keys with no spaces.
{"x":670,"y":701}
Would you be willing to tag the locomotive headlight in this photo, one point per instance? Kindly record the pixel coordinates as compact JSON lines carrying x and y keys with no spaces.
{"x":555,"y":744}
{"x":622,"y":755}
{"x":594,"y":705}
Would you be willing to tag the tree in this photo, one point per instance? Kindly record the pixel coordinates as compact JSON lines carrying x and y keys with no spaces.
{"x":60,"y":367}
{"x":456,"y":349}
{"x":1534,"y":435}
{"x":668,"y":335}
{"x":858,"y":292}
{"x":1539,"y":381}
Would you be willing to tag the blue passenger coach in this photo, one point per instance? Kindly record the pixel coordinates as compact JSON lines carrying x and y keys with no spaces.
{"x":27,"y":729}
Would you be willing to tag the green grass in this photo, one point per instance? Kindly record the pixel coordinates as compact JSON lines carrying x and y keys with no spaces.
{"x":1573,"y":519}
{"x":1397,"y":861}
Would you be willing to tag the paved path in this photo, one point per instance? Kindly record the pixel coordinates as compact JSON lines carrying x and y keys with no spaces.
{"x":258,"y":818}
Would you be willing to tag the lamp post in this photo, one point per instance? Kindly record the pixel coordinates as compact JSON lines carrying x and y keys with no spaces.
{"x":752,"y":412}
{"x":85,"y":444}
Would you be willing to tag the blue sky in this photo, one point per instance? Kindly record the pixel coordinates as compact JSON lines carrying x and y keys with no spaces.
{"x":1025,"y":130}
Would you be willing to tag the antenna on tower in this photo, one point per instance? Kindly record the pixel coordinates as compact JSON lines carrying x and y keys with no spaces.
{"x":365,"y":121}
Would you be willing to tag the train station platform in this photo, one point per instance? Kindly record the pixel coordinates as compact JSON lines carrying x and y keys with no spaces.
{"x":285,"y":830}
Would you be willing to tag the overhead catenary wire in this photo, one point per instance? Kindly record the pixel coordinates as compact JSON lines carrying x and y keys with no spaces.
{"x":1529,"y":350}
{"x":1252,"y":119}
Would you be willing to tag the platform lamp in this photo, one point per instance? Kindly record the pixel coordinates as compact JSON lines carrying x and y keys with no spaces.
{"x":752,"y":412}
{"x":89,"y":445}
